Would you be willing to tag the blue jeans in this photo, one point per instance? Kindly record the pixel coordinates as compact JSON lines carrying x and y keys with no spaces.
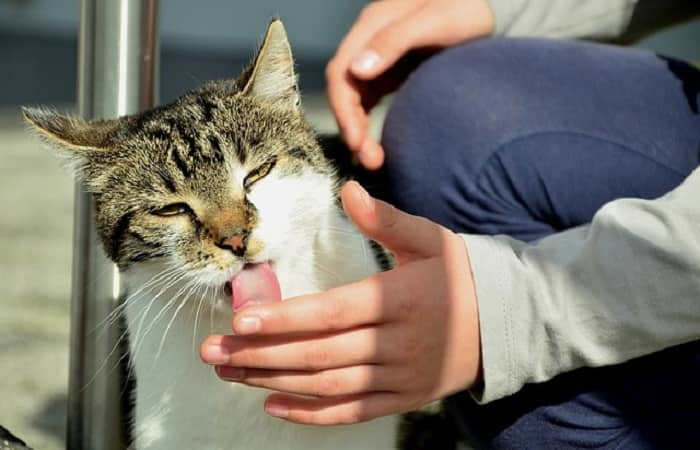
{"x":528,"y":137}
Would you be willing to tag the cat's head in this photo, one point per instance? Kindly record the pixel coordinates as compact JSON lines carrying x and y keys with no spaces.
{"x":228,"y":174}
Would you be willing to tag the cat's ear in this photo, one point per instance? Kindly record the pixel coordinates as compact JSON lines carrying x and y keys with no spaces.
{"x":84,"y":144}
{"x":272,"y":76}
{"x":70,"y":135}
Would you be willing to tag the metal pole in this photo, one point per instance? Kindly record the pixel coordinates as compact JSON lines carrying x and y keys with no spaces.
{"x":117,"y":75}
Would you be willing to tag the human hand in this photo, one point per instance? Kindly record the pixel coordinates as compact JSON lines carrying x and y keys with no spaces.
{"x":359,"y":74}
{"x":387,"y":344}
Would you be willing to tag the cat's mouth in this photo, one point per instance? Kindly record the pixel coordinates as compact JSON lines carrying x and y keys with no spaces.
{"x":254,"y":284}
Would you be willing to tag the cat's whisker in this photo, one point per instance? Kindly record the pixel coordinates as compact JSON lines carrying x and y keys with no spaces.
{"x":139,"y":339}
{"x":103,"y":365}
{"x":328,"y":271}
{"x":147,"y":287}
{"x":196,"y":316}
{"x":164,"y":289}
{"x":211,"y":320}
{"x":341,"y":230}
{"x":124,"y":334}
{"x":193,"y":288}
{"x":171,"y":273}
{"x":320,"y":267}
{"x":170,"y":281}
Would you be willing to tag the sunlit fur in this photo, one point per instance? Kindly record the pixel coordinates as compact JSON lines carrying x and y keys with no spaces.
{"x":199,"y":151}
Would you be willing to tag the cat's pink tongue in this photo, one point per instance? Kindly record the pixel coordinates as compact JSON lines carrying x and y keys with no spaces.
{"x":256,"y":284}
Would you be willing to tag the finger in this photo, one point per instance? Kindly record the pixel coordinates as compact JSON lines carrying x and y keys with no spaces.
{"x":346,"y":104}
{"x":334,"y":410}
{"x":424,"y":27}
{"x":416,"y":29}
{"x":335,"y":309}
{"x":407,"y":236}
{"x":374,"y":17}
{"x":326,"y":383}
{"x":350,"y":348}
{"x":371,"y":154}
{"x":344,"y":95}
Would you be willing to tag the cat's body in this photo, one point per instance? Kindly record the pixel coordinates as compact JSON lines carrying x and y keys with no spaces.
{"x":227,"y":178}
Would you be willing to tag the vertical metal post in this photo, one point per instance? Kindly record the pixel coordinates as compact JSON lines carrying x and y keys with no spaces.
{"x":117,"y":75}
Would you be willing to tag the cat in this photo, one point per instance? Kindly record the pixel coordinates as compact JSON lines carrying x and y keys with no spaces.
{"x":227,"y":177}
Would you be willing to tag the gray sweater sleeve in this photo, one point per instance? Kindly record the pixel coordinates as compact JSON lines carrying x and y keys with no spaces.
{"x":593,"y":19}
{"x":624,"y":286}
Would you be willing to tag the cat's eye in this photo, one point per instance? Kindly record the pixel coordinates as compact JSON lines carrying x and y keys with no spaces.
{"x":259,"y":173}
{"x":173,"y":209}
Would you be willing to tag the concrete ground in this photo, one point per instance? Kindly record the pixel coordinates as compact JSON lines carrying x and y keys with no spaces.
{"x":35,"y":268}
{"x":36,"y":214}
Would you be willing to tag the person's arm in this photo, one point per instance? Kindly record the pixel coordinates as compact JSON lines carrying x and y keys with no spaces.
{"x":625,"y":286}
{"x":593,"y":19}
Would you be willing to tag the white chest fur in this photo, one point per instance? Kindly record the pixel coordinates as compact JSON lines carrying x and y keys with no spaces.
{"x":181,"y":404}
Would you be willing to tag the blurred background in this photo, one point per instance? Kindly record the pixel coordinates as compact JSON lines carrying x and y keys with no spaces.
{"x":38,"y":55}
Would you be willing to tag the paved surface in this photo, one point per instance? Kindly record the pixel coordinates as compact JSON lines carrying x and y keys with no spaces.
{"x":36,"y":210}
{"x":35,"y":258}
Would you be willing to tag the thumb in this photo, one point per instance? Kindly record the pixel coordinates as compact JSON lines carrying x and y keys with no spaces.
{"x":408,"y":237}
{"x":391,"y":42}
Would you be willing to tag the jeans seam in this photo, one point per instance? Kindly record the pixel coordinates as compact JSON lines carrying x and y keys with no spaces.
{"x":498,"y":151}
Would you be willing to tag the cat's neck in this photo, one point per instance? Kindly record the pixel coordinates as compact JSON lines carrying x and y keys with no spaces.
{"x":339,"y":254}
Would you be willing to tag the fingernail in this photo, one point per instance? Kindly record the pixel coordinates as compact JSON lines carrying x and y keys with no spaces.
{"x":365,"y":61}
{"x":231,"y":373}
{"x":215,"y":354}
{"x":276,"y":410}
{"x":364,"y":196}
{"x":248,"y":325}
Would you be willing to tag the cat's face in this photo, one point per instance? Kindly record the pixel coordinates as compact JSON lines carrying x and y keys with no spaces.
{"x":228,"y":174}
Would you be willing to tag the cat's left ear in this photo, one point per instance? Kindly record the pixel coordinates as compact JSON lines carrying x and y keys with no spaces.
{"x":272,"y":76}
{"x":83,"y":143}
{"x":71,"y":135}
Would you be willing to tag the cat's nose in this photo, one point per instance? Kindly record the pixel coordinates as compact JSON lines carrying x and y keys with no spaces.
{"x":236,"y":243}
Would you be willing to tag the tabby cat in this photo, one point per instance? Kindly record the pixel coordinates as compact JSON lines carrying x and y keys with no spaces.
{"x":227,"y":178}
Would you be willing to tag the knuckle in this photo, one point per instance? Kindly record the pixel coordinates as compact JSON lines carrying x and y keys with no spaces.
{"x":366,"y":380}
{"x":317,"y":359}
{"x":309,"y":417}
{"x":303,"y":417}
{"x":327,"y":385}
{"x":246,"y":359}
{"x":352,"y":414}
{"x":331,"y":315}
{"x":318,"y":418}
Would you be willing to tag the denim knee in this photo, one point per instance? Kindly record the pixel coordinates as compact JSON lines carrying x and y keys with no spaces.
{"x":475,"y":120}
{"x":438,"y":133}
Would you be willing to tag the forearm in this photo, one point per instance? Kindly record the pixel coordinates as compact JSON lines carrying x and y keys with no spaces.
{"x":625,"y":286}
{"x":593,"y":19}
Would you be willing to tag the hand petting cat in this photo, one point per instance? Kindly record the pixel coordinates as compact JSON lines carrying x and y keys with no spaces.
{"x":368,"y":65}
{"x":388,"y":344}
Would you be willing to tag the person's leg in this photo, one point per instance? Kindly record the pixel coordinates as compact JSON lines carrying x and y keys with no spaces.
{"x":528,"y":137}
